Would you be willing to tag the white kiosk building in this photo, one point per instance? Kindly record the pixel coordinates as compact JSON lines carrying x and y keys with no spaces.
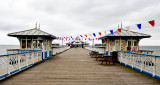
{"x":35,"y":39}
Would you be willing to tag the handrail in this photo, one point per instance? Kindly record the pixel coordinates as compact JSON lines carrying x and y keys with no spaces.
{"x":138,"y":53}
{"x":18,"y":60}
{"x":145,"y":63}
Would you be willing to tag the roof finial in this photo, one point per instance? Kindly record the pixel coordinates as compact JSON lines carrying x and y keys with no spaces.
{"x":39,"y":26}
{"x":36,"y":26}
{"x":121,"y":25}
{"x":118,"y":26}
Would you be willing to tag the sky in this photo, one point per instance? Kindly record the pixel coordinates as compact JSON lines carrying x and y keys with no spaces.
{"x":79,"y":17}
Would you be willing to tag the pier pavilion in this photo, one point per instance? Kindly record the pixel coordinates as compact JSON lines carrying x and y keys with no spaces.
{"x":77,"y":43}
{"x":125,"y":40}
{"x":35,"y":39}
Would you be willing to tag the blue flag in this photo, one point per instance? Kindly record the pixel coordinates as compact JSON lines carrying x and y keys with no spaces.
{"x":111,"y":32}
{"x":81,"y":36}
{"x":71,"y":37}
{"x":139,"y":26}
{"x":94,"y":34}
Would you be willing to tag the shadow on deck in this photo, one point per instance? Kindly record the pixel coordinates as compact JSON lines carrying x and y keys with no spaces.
{"x":75,"y":67}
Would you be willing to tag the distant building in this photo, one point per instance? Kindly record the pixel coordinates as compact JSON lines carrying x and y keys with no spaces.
{"x":77,"y":43}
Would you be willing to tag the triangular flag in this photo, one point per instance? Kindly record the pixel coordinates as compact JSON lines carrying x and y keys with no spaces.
{"x":94,"y":34}
{"x":81,"y":36}
{"x":100,"y":33}
{"x":128,"y":28}
{"x":119,"y":30}
{"x":152,"y":23}
{"x":86,"y":35}
{"x":111,"y":31}
{"x":139,"y":26}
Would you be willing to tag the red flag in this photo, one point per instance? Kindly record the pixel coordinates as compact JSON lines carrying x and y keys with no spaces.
{"x":93,"y":39}
{"x":152,"y":22}
{"x":96,"y":38}
{"x":85,"y":39}
{"x":86,"y":35}
{"x":119,"y":30}
{"x":100,"y":33}
{"x":60,"y":38}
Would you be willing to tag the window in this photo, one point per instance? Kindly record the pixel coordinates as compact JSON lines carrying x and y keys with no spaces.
{"x":34,"y":43}
{"x":40,"y":44}
{"x":135,"y":43}
{"x":28,"y":43}
{"x":129,"y":43}
{"x":23,"y":43}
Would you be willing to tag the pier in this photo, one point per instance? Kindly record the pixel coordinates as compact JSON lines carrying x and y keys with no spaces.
{"x":76,"y":67}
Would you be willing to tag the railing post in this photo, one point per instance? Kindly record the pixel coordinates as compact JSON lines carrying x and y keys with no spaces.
{"x":154,"y":64}
{"x":27,"y":57}
{"x":19,"y":63}
{"x":8,"y":69}
{"x":142,"y":59}
{"x":133,"y":60}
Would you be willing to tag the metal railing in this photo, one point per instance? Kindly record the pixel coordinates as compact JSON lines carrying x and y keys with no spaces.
{"x":100,"y":50}
{"x":145,"y":63}
{"x":15,"y":62}
{"x":59,"y":50}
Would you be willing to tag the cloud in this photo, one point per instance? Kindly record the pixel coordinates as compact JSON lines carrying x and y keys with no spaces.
{"x":70,"y":17}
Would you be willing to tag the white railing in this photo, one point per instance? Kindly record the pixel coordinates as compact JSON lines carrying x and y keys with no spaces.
{"x":13,"y":63}
{"x":100,"y":50}
{"x":145,"y":63}
{"x":17,"y":60}
{"x":59,"y":50}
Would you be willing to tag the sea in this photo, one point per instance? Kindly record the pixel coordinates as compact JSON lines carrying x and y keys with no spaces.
{"x":156,"y":49}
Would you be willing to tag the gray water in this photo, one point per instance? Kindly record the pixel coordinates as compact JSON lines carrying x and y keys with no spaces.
{"x":156,"y":49}
{"x":3,"y":48}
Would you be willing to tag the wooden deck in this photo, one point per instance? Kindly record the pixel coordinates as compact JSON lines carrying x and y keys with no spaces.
{"x":76,"y":67}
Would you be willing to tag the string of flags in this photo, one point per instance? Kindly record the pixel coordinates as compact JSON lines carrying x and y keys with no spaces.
{"x":94,"y":36}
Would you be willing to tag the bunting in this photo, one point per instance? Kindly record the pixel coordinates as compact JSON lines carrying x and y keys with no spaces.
{"x":152,"y":23}
{"x":86,"y":35}
{"x":81,"y":36}
{"x":94,"y":34}
{"x":119,"y":30}
{"x":111,"y":31}
{"x":139,"y":26}
{"x":100,"y":33}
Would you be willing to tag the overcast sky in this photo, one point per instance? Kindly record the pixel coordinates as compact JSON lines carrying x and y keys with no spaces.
{"x":78,"y":17}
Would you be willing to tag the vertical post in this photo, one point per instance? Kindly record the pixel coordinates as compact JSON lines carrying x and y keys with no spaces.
{"x":26,"y":43}
{"x":131,"y":44}
{"x":92,"y":43}
{"x":155,"y":63}
{"x":20,"y":40}
{"x":120,"y":43}
{"x":19,"y":63}
{"x":8,"y":68}
{"x":142,"y":59}
{"x":27,"y":55}
{"x":32,"y":43}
